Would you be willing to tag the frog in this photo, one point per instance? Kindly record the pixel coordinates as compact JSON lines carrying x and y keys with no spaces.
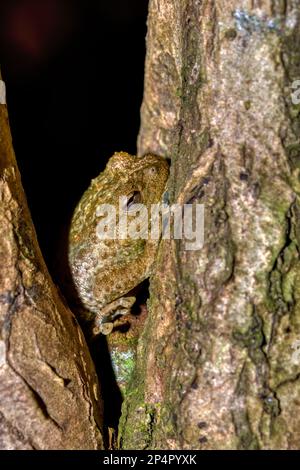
{"x":105,"y":270}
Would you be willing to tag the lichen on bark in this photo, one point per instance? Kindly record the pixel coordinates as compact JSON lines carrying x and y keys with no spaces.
{"x":218,"y":362}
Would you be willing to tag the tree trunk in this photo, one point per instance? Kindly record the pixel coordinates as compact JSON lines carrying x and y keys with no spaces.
{"x":49,"y":394}
{"x":219,"y":359}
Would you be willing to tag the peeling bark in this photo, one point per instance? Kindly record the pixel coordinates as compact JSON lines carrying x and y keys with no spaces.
{"x":49,"y":394}
{"x":218,"y":362}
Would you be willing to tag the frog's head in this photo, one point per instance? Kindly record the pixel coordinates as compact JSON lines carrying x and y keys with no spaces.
{"x":141,"y":179}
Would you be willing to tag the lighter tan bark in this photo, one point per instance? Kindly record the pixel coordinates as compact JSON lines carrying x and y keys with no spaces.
{"x":49,"y":394}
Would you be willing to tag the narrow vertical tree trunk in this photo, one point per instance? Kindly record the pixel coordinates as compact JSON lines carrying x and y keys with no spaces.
{"x":49,"y":394}
{"x":219,"y":359}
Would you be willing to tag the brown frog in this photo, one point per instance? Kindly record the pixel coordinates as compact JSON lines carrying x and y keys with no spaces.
{"x":105,"y":270}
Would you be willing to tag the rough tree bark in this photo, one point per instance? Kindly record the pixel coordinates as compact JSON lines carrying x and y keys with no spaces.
{"x":219,"y":362}
{"x":49,"y":394}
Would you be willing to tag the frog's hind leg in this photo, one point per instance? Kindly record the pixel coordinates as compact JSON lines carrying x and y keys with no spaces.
{"x":103,"y":322}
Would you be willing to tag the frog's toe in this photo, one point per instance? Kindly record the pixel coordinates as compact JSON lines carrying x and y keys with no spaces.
{"x":121,"y":312}
{"x":106,"y":328}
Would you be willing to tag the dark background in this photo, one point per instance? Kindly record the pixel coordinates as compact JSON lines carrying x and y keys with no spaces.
{"x":74,"y":77}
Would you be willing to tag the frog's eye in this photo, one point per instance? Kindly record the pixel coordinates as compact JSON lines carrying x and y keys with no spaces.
{"x":151,"y":171}
{"x":133,"y":198}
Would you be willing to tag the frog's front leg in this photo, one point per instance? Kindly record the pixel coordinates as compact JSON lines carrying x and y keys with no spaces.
{"x":103,"y":322}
